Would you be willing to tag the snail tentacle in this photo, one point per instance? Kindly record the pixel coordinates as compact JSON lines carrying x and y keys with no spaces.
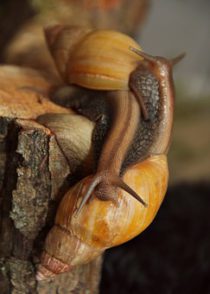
{"x":96,"y":180}
{"x":110,"y":180}
{"x":121,"y":184}
{"x":178,"y":58}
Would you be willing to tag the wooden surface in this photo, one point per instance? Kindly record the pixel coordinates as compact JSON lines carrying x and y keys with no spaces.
{"x":33,"y":170}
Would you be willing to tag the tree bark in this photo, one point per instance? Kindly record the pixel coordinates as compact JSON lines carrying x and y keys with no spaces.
{"x":33,"y":171}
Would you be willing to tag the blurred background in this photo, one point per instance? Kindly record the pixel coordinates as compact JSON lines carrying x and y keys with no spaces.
{"x":172,"y":27}
{"x":173,"y":254}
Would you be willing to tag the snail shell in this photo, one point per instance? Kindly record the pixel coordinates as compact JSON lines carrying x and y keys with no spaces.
{"x":77,"y":239}
{"x":75,"y":145}
{"x":95,"y":59}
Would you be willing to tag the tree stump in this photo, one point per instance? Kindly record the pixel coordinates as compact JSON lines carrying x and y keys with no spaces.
{"x":33,"y":170}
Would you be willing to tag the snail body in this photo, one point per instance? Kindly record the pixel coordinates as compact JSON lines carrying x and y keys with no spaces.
{"x":100,"y":59}
{"x":78,"y":238}
{"x":93,"y":59}
{"x":108,"y":60}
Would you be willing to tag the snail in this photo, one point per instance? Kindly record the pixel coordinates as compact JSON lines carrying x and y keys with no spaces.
{"x":133,"y":149}
{"x":76,"y":239}
{"x":94,"y":59}
{"x":108,"y":60}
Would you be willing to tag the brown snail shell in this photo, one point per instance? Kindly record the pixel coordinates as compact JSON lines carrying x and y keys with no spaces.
{"x":78,"y":238}
{"x":95,"y":59}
